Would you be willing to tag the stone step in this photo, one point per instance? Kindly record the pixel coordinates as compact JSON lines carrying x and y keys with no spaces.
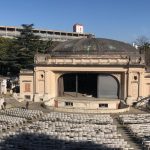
{"x":127,"y":136}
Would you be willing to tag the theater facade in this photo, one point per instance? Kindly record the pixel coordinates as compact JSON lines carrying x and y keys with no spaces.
{"x":91,"y":73}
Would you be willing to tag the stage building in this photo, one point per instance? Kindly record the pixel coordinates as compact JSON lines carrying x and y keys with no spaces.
{"x":88,"y":73}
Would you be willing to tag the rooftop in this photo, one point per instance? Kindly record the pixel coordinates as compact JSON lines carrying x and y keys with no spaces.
{"x":93,"y":46}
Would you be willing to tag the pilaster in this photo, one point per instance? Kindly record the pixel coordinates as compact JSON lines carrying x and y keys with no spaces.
{"x":141,"y":83}
{"x":125,"y":85}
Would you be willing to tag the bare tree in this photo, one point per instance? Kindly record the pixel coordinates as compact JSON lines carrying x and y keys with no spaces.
{"x":144,"y":46}
{"x":142,"y":40}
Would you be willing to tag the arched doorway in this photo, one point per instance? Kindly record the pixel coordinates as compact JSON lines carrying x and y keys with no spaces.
{"x":88,"y":84}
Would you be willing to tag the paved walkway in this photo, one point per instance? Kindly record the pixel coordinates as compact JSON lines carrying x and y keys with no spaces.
{"x":32,"y":105}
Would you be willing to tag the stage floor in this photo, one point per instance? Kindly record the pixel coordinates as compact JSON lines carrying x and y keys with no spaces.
{"x":71,"y":96}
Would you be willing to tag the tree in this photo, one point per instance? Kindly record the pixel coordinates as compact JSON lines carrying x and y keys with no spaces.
{"x":28,"y":44}
{"x":143,"y":43}
{"x":144,"y":47}
{"x":6,"y":55}
{"x":27,"y":38}
{"x":16,"y":54}
{"x":142,"y":40}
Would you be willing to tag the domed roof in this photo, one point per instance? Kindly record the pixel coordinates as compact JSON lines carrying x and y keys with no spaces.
{"x":93,"y":46}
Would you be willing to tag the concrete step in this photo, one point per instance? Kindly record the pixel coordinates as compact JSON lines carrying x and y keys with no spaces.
{"x":127,"y":136}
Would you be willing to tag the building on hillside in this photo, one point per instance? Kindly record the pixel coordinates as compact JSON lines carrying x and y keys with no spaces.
{"x":12,"y":32}
{"x":89,"y":73}
{"x":78,"y":28}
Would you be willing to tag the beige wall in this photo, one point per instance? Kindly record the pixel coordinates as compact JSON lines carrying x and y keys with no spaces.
{"x":45,"y":86}
{"x":89,"y":104}
{"x":134,"y":82}
{"x":26,"y":79}
{"x":146,"y":87}
{"x":103,"y":111}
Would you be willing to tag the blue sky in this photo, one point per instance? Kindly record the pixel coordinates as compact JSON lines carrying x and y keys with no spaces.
{"x":123,"y":20}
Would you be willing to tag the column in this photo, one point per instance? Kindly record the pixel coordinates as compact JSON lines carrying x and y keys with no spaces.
{"x":76,"y":85}
{"x":15,"y":31}
{"x":36,"y":82}
{"x":53,"y":87}
{"x":125,"y":85}
{"x":141,"y":77}
{"x":35,"y":87}
{"x":129,"y":84}
{"x":46,"y":82}
{"x":6,"y":31}
{"x":129,"y":99}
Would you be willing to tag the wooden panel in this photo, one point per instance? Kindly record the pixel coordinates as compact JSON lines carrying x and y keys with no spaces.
{"x":56,"y":103}
{"x":27,"y":87}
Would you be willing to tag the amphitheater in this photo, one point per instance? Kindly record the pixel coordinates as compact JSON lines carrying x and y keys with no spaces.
{"x":87,"y":88}
{"x":38,"y":128}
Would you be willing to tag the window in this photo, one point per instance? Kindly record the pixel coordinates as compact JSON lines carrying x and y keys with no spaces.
{"x":68,"y":103}
{"x":41,"y":99}
{"x":42,"y":76}
{"x":27,"y":97}
{"x":103,"y":105}
{"x":135,"y":77}
{"x":27,"y":87}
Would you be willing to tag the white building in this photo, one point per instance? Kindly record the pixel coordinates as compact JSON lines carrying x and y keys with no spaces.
{"x":45,"y":34}
{"x":78,"y":28}
{"x":3,"y":85}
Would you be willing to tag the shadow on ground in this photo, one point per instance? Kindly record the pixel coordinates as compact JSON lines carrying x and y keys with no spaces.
{"x":26,"y":141}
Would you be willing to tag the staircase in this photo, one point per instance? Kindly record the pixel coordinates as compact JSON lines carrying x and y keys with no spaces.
{"x":142,"y":102}
{"x":127,"y":136}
